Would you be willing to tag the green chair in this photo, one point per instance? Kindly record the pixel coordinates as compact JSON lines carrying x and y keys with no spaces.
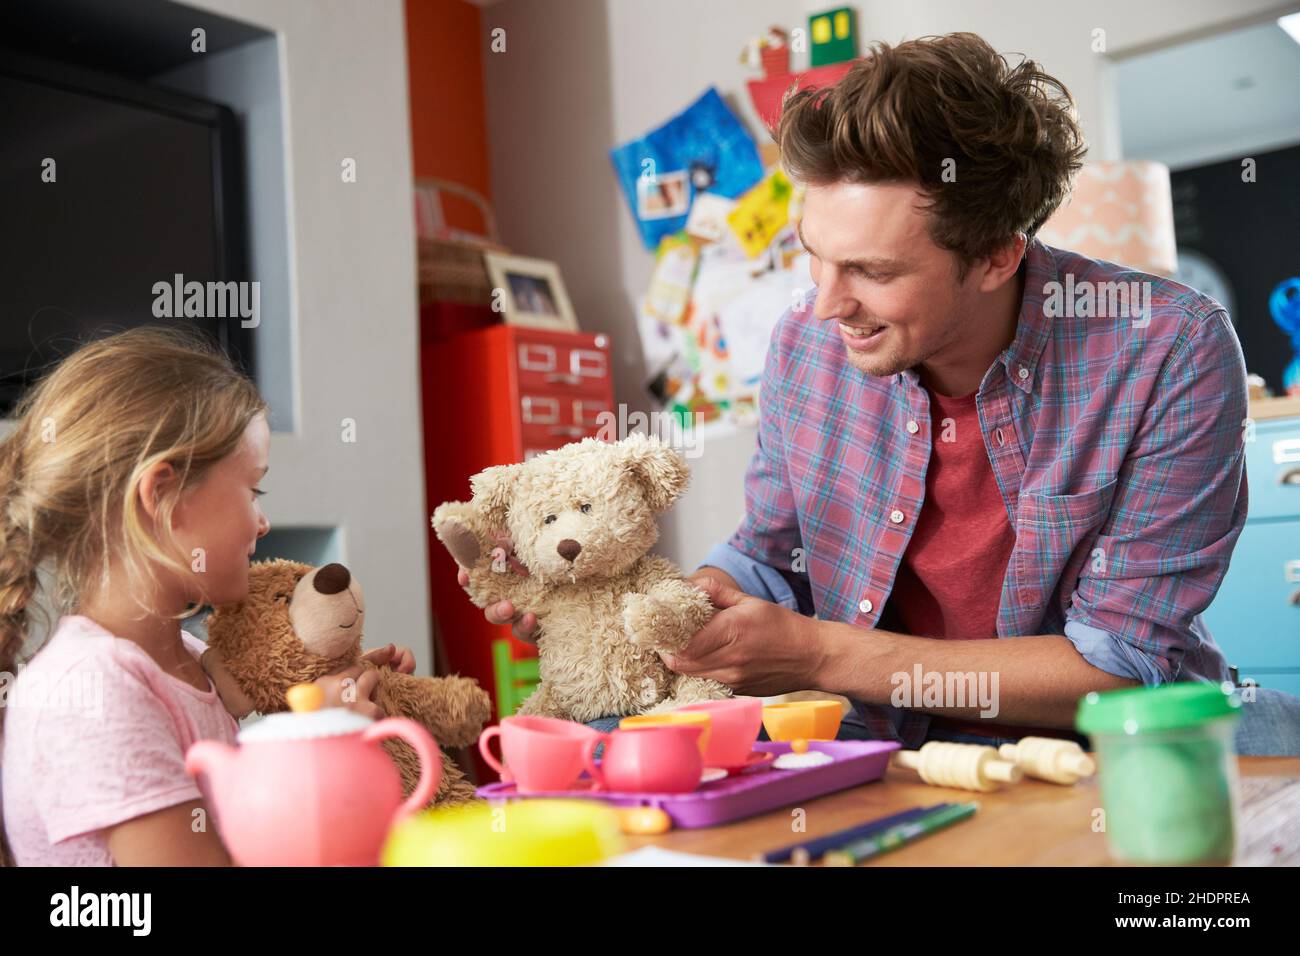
{"x":515,"y":679}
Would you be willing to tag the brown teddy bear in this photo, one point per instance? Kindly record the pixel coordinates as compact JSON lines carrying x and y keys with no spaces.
{"x":578,"y":522}
{"x":299,"y":623}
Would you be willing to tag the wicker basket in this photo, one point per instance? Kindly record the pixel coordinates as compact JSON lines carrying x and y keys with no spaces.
{"x":451,"y":267}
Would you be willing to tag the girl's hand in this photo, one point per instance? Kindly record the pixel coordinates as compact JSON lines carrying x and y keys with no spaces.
{"x":401,"y":659}
{"x":354,"y":689}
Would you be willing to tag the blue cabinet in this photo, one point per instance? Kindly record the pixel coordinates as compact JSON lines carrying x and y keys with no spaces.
{"x":1255,"y":617}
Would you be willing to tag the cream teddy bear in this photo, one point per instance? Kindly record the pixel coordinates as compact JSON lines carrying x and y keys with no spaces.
{"x":579,"y":521}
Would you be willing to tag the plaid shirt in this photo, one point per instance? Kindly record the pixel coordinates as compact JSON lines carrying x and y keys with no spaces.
{"x":1116,"y":444}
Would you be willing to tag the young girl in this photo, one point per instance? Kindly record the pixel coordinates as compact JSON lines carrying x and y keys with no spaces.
{"x":130,"y":481}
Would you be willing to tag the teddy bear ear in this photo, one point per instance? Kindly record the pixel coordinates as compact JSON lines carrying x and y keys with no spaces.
{"x":661,"y":471}
{"x":493,"y":489}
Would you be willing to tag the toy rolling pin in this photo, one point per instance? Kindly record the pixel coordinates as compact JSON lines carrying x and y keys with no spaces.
{"x":967,"y":766}
{"x":1046,"y":758}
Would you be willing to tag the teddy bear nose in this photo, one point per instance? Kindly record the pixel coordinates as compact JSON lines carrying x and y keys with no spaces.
{"x":568,"y":549}
{"x":332,"y":579}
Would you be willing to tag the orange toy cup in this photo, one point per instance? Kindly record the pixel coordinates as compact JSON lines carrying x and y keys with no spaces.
{"x":673,"y":719}
{"x":540,"y":754}
{"x":662,"y":758}
{"x":807,"y":719}
{"x":736,"y":722}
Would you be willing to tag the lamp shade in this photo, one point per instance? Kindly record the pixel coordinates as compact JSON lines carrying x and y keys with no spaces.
{"x":1122,"y":212}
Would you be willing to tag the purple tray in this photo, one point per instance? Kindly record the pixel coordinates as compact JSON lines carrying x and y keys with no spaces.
{"x":746,"y":794}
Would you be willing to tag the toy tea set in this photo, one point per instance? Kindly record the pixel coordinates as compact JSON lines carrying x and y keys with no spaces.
{"x":699,"y":765}
{"x":313,"y":787}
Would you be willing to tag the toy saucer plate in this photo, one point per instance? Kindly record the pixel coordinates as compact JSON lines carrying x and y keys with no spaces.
{"x":757,"y":758}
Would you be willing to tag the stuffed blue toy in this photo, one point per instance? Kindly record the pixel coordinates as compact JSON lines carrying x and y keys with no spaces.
{"x":1284,"y":303}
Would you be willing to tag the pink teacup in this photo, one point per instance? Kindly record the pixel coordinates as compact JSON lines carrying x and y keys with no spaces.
{"x":540,"y":753}
{"x":658,"y":759}
{"x":735,"y":725}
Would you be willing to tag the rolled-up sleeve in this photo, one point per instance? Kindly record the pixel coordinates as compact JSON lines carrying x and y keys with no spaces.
{"x":1115,"y":656}
{"x":1179,"y":507}
{"x":760,"y":580}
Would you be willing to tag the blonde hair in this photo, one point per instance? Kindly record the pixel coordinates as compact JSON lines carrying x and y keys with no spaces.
{"x":85,"y":435}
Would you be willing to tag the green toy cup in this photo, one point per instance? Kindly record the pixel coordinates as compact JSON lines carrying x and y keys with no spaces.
{"x":1168,"y":770}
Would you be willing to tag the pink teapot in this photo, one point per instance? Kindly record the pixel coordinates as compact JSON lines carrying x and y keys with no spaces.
{"x":312,"y":787}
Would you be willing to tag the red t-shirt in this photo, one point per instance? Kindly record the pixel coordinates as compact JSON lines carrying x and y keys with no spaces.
{"x":949,"y":583}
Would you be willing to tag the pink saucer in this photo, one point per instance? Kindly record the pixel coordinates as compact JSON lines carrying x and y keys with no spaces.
{"x":757,"y":758}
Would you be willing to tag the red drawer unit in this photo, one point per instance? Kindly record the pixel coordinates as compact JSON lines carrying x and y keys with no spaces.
{"x":495,"y":396}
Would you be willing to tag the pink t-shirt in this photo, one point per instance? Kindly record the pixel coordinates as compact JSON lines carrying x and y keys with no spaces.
{"x":95,"y":734}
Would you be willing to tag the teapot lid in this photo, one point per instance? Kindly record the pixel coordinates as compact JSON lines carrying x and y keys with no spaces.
{"x":306,"y":719}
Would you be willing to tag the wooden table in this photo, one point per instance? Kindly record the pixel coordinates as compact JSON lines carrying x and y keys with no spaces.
{"x":1029,"y":824}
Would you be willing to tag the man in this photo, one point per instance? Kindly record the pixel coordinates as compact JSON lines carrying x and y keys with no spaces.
{"x":973,"y":486}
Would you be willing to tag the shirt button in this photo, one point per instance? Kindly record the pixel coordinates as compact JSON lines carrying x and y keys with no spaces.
{"x":865,"y":606}
{"x":913,"y":427}
{"x":1023,"y":372}
{"x":896,"y":516}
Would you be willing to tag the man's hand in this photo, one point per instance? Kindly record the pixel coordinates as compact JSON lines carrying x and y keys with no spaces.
{"x":523,"y":626}
{"x":754,"y":646}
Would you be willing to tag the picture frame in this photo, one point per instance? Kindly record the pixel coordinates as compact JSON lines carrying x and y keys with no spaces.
{"x":534,"y":293}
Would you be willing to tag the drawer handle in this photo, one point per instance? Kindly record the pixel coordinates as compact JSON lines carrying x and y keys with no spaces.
{"x":1289,"y":477}
{"x":575,"y":432}
{"x":563,"y":379}
{"x":531,"y":364}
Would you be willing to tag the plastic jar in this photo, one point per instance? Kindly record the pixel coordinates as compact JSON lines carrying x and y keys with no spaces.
{"x":1168,"y":770}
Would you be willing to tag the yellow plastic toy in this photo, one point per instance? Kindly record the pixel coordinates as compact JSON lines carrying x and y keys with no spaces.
{"x":966,"y":766}
{"x":644,"y":821}
{"x":522,"y":833}
{"x":304,"y":698}
{"x":1050,"y":759}
{"x":803,"y":719}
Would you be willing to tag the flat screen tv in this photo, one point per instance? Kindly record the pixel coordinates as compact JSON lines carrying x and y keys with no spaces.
{"x":109,"y":187}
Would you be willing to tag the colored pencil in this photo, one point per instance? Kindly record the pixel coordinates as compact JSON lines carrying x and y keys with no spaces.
{"x":803,"y":853}
{"x":899,"y":835}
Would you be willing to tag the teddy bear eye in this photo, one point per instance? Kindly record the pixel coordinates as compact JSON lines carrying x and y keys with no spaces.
{"x":550,"y":518}
{"x":586,"y":509}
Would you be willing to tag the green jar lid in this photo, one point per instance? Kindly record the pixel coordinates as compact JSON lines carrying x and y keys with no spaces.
{"x":1141,"y":710}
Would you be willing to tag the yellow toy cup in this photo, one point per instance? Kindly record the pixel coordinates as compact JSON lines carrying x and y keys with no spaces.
{"x":802,"y":719}
{"x":676,"y":717}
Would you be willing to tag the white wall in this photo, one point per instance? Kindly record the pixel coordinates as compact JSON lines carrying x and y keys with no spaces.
{"x":1174,"y":110}
{"x":581,"y":76}
{"x":351,"y":263}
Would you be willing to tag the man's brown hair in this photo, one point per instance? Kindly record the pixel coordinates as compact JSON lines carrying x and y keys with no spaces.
{"x":901,"y":111}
